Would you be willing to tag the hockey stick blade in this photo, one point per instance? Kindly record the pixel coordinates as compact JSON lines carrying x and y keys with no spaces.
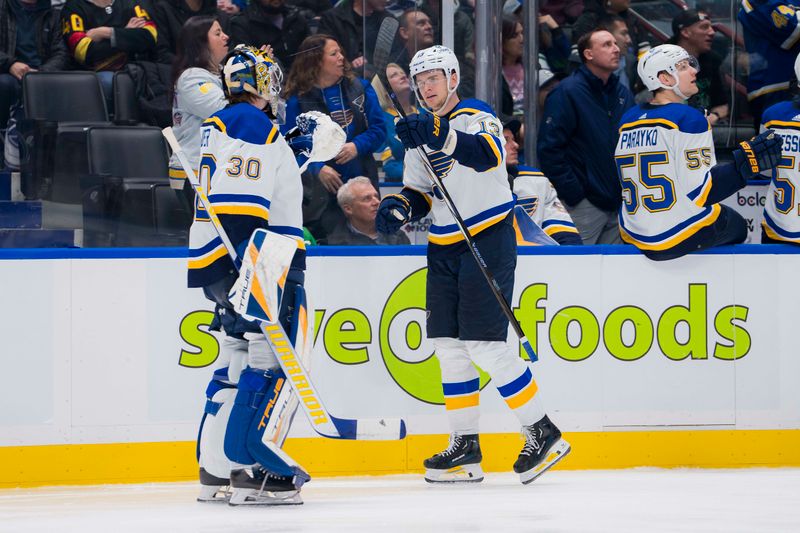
{"x":291,"y":364}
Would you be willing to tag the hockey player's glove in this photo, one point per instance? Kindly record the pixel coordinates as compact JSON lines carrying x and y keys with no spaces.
{"x":762,"y":152}
{"x":316,"y":138}
{"x":426,"y":128}
{"x":393,"y":212}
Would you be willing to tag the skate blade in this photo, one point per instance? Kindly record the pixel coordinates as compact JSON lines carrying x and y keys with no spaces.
{"x":214,"y":494}
{"x":256,"y":497}
{"x":458,"y":474}
{"x":559,"y":450}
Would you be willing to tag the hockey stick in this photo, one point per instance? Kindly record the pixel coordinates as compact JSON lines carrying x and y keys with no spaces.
{"x":320,"y":419}
{"x":448,"y":201}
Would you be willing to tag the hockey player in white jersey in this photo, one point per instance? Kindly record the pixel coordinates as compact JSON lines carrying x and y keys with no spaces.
{"x":536,"y":196}
{"x":671,"y":182}
{"x":781,"y":222}
{"x":252,"y":180}
{"x":463,"y":140}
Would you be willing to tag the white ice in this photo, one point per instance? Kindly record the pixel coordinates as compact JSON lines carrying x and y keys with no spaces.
{"x":640,"y":500}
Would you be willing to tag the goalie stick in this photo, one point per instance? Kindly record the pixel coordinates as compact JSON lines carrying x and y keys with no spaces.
{"x":383,"y":41}
{"x":320,"y":419}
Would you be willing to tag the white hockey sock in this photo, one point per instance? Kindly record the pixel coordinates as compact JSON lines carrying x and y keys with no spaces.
{"x":460,"y":384}
{"x":512,"y":377}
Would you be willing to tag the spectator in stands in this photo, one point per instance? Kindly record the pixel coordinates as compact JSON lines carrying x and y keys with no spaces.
{"x":171,"y":15}
{"x":692,"y":31}
{"x":103,"y":35}
{"x":321,"y":79}
{"x":554,"y":46}
{"x":596,"y":9}
{"x":393,"y":161}
{"x":772,"y":40}
{"x":616,"y":26}
{"x":30,"y":40}
{"x":271,"y":22}
{"x":355,"y":24}
{"x":578,"y":135}
{"x":416,"y":33}
{"x":513,"y":73}
{"x":535,"y":193}
{"x":359,"y":202}
{"x":197,"y":89}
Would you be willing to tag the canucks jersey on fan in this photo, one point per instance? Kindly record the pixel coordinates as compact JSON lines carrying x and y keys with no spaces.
{"x":782,"y":210}
{"x":479,"y":211}
{"x":251,"y":180}
{"x":664,"y":157}
{"x":537,"y":196}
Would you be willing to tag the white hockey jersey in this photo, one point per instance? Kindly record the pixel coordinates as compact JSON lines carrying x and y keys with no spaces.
{"x":537,"y":196}
{"x":782,"y":210}
{"x":664,"y":156}
{"x":198,"y":94}
{"x":252,"y":180}
{"x":481,"y":193}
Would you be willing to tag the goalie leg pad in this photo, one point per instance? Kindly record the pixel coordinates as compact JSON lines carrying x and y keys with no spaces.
{"x":211,"y":438}
{"x":261,"y":414}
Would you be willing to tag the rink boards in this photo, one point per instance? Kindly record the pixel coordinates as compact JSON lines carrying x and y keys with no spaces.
{"x":690,"y":363}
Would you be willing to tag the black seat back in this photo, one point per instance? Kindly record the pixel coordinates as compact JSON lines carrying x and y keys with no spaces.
{"x":126,"y":104}
{"x":128,"y":152}
{"x":130,"y":165}
{"x":63,"y":97}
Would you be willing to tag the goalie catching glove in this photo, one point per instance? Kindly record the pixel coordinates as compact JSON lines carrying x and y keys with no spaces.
{"x":315,"y":138}
{"x":393,"y":212}
{"x":762,"y":152}
{"x":426,"y":129}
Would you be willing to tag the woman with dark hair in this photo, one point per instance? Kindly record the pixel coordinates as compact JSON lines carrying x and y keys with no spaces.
{"x":321,"y":80}
{"x":196,"y":88}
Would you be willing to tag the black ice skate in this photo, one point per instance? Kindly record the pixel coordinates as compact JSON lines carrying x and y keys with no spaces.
{"x":213,"y":489}
{"x":260,"y":487}
{"x":543,"y":448}
{"x":459,"y":463}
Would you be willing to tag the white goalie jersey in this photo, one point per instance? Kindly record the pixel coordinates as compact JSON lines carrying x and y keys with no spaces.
{"x":252,"y":180}
{"x":782,"y":209}
{"x":664,"y":157}
{"x":481,"y":192}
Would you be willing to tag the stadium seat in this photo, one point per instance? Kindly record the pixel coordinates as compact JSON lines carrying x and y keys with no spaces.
{"x":127,"y":197}
{"x":126,"y":105}
{"x":55,"y":103}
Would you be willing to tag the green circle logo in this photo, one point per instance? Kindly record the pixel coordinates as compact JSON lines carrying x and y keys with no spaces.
{"x":407,"y":353}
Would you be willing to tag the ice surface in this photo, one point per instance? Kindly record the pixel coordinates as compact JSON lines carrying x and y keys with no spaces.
{"x":640,"y":500}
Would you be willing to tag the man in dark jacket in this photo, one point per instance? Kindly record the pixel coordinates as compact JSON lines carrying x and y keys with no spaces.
{"x":30,"y":40}
{"x":271,"y":22}
{"x":171,"y":15}
{"x":578,"y":135}
{"x":355,"y":25}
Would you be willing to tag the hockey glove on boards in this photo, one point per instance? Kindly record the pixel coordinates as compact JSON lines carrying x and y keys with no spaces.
{"x":762,"y":152}
{"x":426,"y":128}
{"x":393,"y":212}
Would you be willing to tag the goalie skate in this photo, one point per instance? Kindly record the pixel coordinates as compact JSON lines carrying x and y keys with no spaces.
{"x":543,"y":448}
{"x":213,"y":489}
{"x":263,"y":488}
{"x":459,"y":463}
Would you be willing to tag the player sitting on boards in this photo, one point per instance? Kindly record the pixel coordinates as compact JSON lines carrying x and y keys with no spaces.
{"x":671,"y":182}
{"x":464,"y":142}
